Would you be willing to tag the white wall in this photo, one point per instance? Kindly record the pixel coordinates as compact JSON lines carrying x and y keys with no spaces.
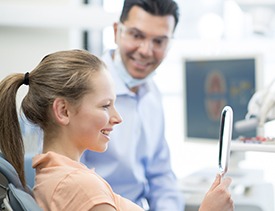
{"x":23,"y":48}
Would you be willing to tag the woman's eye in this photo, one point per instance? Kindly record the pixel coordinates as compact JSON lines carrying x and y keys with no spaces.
{"x":106,"y":106}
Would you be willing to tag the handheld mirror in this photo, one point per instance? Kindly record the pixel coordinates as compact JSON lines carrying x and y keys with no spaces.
{"x":226,"y":122}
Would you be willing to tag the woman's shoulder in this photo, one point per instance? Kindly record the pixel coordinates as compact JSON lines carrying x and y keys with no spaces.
{"x":85,"y":180}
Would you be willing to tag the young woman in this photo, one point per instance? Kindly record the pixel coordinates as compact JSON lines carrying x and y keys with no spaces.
{"x":71,"y":98}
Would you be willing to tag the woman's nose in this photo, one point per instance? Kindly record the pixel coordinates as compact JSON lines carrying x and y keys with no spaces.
{"x":116,"y":118}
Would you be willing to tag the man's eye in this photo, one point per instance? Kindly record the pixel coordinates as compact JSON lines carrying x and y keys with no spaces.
{"x":159,"y":42}
{"x":136,"y":35}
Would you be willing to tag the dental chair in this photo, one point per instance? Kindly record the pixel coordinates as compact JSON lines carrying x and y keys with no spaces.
{"x":13,"y":196}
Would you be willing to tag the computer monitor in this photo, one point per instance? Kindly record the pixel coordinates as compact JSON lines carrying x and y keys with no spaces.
{"x":210,"y":83}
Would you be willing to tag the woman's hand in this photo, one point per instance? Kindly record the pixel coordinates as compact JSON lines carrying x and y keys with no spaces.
{"x":218,"y":198}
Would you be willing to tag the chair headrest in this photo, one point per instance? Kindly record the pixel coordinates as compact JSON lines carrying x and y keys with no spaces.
{"x":18,"y":198}
{"x":9,"y":172}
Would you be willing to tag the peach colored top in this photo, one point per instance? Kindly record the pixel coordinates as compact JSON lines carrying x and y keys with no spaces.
{"x":64,"y":184}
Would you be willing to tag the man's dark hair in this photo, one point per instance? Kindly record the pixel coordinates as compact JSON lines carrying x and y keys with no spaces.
{"x":154,"y":7}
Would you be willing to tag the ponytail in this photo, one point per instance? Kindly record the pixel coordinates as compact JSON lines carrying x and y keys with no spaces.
{"x":11,"y":141}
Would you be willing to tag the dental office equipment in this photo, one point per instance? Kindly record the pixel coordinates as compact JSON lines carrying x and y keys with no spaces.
{"x":261,"y":109}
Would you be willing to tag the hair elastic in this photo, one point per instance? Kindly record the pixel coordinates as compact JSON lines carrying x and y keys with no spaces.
{"x":26,"y":78}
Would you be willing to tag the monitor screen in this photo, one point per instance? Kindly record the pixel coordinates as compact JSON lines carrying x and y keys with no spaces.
{"x":210,"y":83}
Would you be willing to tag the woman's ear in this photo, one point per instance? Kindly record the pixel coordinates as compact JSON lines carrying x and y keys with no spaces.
{"x":60,"y":111}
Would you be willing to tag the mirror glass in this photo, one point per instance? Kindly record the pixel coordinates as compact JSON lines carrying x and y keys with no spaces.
{"x":225,"y":138}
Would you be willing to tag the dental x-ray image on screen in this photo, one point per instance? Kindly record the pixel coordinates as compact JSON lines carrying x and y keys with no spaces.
{"x":210,"y":83}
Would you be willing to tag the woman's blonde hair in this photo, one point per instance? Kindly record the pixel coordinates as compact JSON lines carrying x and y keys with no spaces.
{"x":63,"y":74}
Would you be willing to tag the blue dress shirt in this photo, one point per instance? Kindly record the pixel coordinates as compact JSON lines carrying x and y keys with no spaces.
{"x":137,"y":161}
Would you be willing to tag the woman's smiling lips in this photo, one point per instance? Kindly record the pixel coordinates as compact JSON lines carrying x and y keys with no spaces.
{"x":106,"y":132}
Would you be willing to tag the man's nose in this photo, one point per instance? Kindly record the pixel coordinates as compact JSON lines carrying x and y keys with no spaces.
{"x":146,"y":47}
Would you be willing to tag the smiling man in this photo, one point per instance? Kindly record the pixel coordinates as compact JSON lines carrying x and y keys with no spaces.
{"x":137,"y":163}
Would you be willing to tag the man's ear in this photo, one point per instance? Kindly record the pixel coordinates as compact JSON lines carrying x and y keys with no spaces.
{"x":60,"y":111}
{"x":115,"y":27}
